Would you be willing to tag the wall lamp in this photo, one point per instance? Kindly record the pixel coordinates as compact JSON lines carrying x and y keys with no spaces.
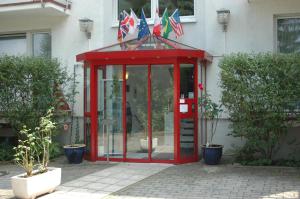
{"x":223,"y":18}
{"x":86,"y":25}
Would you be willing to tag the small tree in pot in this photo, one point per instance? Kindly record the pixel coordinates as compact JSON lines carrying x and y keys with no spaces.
{"x":75,"y":150}
{"x":212,"y":153}
{"x":32,"y":154}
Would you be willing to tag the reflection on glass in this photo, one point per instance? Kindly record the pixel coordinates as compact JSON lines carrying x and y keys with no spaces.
{"x":137,"y":114}
{"x":187,"y":81}
{"x":288,"y":33}
{"x":13,"y":44}
{"x":41,"y":43}
{"x":162,"y":112}
{"x":186,"y":7}
{"x":87,"y":129}
{"x":110,"y":129}
{"x":87,"y":80}
{"x":187,"y":126}
{"x":187,"y":137}
{"x":136,"y":6}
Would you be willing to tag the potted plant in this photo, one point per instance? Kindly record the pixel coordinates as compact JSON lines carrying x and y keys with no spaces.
{"x":211,"y":153}
{"x":75,"y":150}
{"x":32,"y":154}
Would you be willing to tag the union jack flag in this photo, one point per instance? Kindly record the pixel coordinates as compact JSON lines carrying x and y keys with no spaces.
{"x":176,"y":24}
{"x":123,"y":25}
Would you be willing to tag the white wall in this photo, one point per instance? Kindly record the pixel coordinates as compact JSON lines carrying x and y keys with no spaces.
{"x":251,"y":29}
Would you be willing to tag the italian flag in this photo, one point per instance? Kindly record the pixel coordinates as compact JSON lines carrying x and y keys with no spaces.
{"x":157,"y":24}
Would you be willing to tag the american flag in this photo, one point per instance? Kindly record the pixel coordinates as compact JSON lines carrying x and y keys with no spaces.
{"x":176,"y":24}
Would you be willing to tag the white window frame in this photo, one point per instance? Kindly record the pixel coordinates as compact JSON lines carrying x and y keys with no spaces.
{"x":276,"y":18}
{"x":29,"y":39}
{"x":154,"y":5}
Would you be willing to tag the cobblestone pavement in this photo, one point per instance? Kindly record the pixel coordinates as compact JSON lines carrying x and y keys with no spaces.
{"x":69,"y":173}
{"x":196,"y":181}
{"x":102,"y":183}
{"x":189,"y":181}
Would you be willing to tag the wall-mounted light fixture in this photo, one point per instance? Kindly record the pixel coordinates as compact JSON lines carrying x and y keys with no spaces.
{"x":86,"y":25}
{"x":223,"y":18}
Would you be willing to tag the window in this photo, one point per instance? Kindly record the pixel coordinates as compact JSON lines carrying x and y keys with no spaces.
{"x":288,"y":35}
{"x":136,"y":6}
{"x":13,"y":44}
{"x":186,"y":7}
{"x":41,"y":44}
{"x":35,"y":44}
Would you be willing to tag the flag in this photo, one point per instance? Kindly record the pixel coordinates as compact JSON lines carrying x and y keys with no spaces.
{"x":166,"y":24}
{"x":123,"y":26}
{"x":143,"y":27}
{"x":157,"y":24}
{"x":121,"y":17}
{"x":133,"y":22}
{"x":176,"y":24}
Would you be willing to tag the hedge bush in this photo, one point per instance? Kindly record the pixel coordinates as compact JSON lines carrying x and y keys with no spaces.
{"x":29,"y":86}
{"x":261,"y":93}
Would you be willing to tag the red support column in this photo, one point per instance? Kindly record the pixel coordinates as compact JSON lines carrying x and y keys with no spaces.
{"x":196,"y":110}
{"x":94,"y":113}
{"x":124,"y":113}
{"x":176,"y":112}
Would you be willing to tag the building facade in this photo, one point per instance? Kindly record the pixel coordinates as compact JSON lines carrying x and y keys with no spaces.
{"x":51,"y":28}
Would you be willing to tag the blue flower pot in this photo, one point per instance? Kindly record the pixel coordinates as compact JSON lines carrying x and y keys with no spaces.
{"x":212,"y":154}
{"x":74,"y":153}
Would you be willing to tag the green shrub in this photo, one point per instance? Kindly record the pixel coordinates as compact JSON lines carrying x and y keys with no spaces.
{"x":55,"y":150}
{"x":28,"y":87}
{"x":6,"y":152}
{"x":261,"y":93}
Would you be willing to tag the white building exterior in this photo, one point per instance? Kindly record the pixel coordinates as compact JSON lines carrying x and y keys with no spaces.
{"x":252,"y":28}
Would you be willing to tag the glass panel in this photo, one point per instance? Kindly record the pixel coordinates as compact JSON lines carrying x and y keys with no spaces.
{"x":187,"y":137}
{"x":110,"y":128}
{"x":148,"y":43}
{"x":187,"y":131}
{"x":187,"y":81}
{"x":87,"y":130}
{"x":186,"y":7}
{"x":137,"y":114}
{"x":162,"y":89}
{"x":41,"y":43}
{"x":136,"y":6}
{"x":288,"y":34}
{"x":87,"y":79}
{"x":13,"y":44}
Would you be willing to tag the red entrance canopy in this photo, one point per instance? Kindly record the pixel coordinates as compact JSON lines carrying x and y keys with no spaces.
{"x":152,"y":62}
{"x":149,"y":47}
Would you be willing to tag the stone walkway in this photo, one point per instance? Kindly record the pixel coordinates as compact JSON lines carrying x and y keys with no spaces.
{"x":197,"y":181}
{"x":100,"y":184}
{"x":163,"y":181}
{"x":69,"y":172}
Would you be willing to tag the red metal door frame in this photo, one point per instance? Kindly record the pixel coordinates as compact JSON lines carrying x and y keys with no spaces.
{"x":93,"y":114}
{"x":195,"y":156}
